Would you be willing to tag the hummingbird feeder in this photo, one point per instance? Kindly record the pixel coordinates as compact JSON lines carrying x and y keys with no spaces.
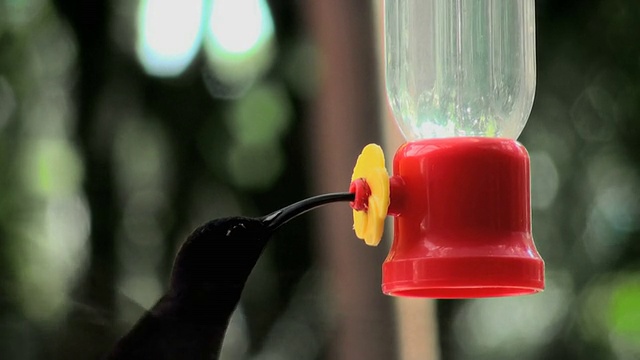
{"x":460,"y":79}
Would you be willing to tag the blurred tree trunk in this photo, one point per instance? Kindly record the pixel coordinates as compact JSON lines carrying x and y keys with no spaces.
{"x":89,"y":20}
{"x":347,"y":117}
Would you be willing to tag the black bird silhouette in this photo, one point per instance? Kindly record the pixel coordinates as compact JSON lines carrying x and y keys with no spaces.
{"x":208,"y":276}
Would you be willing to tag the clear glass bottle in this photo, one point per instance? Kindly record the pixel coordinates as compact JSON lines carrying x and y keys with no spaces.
{"x":460,"y":67}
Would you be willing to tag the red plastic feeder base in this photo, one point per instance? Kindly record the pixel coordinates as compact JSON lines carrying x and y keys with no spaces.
{"x":463,"y":221}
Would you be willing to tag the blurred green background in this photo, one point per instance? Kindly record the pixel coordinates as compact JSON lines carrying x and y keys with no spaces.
{"x":124,"y":124}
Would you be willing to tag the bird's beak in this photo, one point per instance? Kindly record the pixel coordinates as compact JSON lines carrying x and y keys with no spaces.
{"x":278,"y":218}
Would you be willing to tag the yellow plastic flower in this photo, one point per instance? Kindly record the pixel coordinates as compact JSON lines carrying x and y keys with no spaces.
{"x":369,"y":223}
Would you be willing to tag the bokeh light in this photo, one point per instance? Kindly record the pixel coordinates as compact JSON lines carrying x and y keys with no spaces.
{"x":51,"y":168}
{"x":239,"y":26}
{"x":624,"y":311}
{"x":257,"y":123}
{"x":262,"y":116}
{"x":611,"y":313}
{"x":255,"y":167}
{"x":21,"y":13}
{"x":239,"y":40}
{"x":506,"y":328}
{"x":544,"y":180}
{"x":169,"y":35}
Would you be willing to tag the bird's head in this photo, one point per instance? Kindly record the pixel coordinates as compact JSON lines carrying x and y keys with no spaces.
{"x":221,"y":253}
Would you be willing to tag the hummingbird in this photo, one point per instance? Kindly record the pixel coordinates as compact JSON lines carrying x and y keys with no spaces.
{"x":208,"y":276}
